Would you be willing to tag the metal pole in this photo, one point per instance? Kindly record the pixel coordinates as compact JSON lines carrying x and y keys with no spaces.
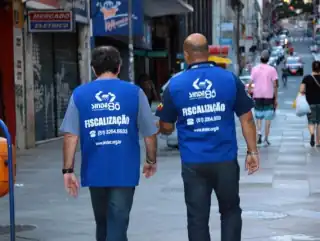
{"x":130,"y":42}
{"x":238,"y":39}
{"x":11,"y":182}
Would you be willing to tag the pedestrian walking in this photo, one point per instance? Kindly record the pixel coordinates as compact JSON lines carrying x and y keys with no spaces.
{"x":107,"y":115}
{"x":202,"y":101}
{"x":265,"y":93}
{"x":148,"y":87}
{"x":310,"y":87}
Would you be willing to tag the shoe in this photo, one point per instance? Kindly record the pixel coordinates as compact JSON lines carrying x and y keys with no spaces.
{"x":312,"y":142}
{"x":267,"y":142}
{"x":259,"y":139}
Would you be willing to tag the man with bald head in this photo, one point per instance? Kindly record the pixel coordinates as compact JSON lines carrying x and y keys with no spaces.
{"x":202,"y":102}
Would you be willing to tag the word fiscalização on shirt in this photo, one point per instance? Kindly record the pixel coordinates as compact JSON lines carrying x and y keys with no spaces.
{"x":202,"y":109}
{"x":105,"y":121}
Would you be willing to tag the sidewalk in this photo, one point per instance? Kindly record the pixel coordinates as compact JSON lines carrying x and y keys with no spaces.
{"x":281,"y":199}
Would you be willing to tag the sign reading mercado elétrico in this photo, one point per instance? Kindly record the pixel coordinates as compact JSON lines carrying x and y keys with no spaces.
{"x":110,"y":18}
{"x":50,"y":21}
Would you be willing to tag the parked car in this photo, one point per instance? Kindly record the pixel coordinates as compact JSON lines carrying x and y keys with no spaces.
{"x":275,"y":58}
{"x":280,"y":50}
{"x":283,"y":39}
{"x":294,"y":65}
{"x":284,"y":32}
{"x":314,"y":48}
{"x":317,"y":40}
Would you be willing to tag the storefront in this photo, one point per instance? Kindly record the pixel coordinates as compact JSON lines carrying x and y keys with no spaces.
{"x":57,"y":53}
{"x":109,"y":21}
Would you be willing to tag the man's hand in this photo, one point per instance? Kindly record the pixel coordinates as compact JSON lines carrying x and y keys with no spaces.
{"x":149,"y":169}
{"x":252,"y":163}
{"x":71,"y":184}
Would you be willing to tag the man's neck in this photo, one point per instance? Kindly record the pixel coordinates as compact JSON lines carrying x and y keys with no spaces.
{"x":200,"y":60}
{"x":108,"y":76}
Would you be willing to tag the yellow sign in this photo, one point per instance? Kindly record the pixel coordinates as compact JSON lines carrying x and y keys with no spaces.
{"x":219,"y":60}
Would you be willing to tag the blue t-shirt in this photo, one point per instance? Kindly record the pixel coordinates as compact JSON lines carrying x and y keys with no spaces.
{"x":202,"y":101}
{"x":107,"y":116}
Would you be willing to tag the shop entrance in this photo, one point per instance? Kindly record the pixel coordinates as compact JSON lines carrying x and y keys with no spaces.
{"x":56,"y":75}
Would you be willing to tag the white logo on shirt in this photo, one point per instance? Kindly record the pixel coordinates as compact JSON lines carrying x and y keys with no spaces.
{"x":190,"y":122}
{"x":93,"y":134}
{"x":110,"y":97}
{"x":106,"y":102}
{"x":202,"y":85}
{"x":203,"y":90}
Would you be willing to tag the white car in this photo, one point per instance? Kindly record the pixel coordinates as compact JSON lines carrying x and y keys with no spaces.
{"x":283,"y":39}
{"x":280,"y":50}
{"x":314,"y":48}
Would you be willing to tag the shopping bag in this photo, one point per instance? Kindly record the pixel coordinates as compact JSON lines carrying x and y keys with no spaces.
{"x":302,"y":106}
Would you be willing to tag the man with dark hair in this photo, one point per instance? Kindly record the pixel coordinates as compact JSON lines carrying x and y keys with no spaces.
{"x":202,"y":101}
{"x":265,"y":93}
{"x":107,"y":115}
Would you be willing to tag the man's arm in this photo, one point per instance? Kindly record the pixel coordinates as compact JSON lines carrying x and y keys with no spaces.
{"x":243,"y":106}
{"x":70,"y":127}
{"x":275,"y":85}
{"x":167,"y":113}
{"x":147,"y":127}
{"x":302,"y":88}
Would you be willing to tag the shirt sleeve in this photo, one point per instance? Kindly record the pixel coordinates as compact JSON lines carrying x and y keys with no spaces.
{"x":167,"y":111}
{"x":243,"y":103}
{"x":146,"y":122}
{"x":304,"y":80}
{"x":274,"y":75}
{"x":70,"y":123}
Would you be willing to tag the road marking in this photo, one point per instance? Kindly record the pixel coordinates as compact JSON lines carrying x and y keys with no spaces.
{"x":300,"y":39}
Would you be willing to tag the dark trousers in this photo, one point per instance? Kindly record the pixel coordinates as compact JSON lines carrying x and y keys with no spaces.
{"x":199,"y":182}
{"x":111,"y":208}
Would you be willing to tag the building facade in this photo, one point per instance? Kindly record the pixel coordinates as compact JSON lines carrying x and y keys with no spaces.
{"x":251,"y":34}
{"x":198,"y":21}
{"x":11,"y":80}
{"x":44,"y":59}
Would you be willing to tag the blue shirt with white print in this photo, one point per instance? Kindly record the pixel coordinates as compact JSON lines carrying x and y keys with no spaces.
{"x":202,"y":101}
{"x":108,"y":115}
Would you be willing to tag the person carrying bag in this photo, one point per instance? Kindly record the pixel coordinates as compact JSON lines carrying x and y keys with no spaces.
{"x":308,"y":102}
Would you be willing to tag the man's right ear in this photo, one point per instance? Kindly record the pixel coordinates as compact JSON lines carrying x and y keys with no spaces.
{"x":94,"y":71}
{"x":119,"y":69}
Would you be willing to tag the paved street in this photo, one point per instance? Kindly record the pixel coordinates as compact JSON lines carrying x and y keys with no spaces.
{"x":280,"y":200}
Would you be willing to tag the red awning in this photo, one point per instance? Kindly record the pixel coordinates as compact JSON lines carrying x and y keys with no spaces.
{"x":43,"y":4}
{"x":219,"y":50}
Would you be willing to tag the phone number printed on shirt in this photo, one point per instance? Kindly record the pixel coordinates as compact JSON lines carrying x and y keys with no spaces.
{"x":112,"y":131}
{"x":208,"y":119}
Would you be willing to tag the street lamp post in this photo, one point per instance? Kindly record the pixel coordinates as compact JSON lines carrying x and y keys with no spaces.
{"x":130,"y":43}
{"x":239,"y":8}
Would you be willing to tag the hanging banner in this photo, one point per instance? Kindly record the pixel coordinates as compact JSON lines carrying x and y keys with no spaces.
{"x":110,"y":18}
